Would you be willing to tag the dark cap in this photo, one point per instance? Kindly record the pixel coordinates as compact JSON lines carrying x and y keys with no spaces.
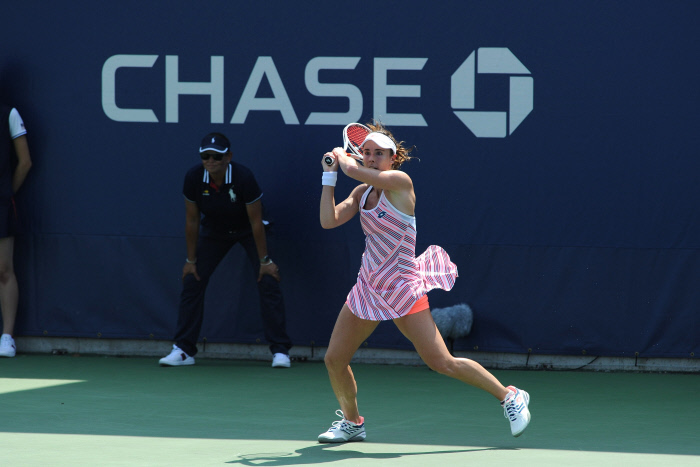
{"x":215,"y":142}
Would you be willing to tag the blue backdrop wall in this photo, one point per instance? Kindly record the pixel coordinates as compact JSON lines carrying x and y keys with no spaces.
{"x":557,"y":144}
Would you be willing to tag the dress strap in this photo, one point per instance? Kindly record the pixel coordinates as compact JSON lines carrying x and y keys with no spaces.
{"x":363,"y":200}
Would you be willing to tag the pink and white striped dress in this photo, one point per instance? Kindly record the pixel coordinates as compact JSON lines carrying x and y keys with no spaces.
{"x":391,"y":278}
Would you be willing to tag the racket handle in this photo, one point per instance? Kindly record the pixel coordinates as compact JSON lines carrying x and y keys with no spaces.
{"x":328,"y":160}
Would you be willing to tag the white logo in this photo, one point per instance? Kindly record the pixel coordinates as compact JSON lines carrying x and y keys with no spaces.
{"x":212,"y":140}
{"x":232,"y":195}
{"x":484,"y":124}
{"x":493,"y":60}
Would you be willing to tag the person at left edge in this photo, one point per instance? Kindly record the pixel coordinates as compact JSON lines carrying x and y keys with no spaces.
{"x":223,"y":207}
{"x":13,"y":143}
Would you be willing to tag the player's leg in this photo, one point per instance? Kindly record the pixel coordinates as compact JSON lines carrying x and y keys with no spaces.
{"x":421,"y":330}
{"x":348,"y":334}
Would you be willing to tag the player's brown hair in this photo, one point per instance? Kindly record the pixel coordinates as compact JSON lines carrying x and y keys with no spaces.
{"x":401,"y":151}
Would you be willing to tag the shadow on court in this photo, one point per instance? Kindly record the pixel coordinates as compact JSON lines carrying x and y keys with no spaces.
{"x":244,"y":403}
{"x":323,"y":453}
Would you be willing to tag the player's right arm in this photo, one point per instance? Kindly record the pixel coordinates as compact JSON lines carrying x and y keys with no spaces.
{"x":333,"y":215}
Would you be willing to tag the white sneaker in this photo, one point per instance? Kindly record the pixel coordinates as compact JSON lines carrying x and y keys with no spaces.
{"x":176,"y":358}
{"x":280,"y":360}
{"x":7,"y":346}
{"x":515,"y":409}
{"x":343,"y":431}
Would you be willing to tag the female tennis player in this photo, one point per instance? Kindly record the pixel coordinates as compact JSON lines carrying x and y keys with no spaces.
{"x":392,"y":283}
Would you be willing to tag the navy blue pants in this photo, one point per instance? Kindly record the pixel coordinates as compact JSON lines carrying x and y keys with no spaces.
{"x":210,"y":252}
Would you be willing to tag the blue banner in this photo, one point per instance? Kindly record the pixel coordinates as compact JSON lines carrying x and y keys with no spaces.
{"x":557,"y":144}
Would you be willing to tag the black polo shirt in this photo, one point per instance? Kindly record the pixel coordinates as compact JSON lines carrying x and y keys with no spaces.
{"x":223,"y":208}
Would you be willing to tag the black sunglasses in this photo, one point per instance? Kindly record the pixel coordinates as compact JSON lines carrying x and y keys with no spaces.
{"x":217,"y":156}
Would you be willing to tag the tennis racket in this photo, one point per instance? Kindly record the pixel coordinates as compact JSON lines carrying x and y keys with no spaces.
{"x":354,"y":135}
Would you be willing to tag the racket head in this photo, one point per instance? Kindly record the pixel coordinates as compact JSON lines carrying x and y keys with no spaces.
{"x":354,"y":135}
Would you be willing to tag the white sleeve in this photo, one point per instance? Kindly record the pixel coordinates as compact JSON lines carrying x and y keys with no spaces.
{"x":16,"y":125}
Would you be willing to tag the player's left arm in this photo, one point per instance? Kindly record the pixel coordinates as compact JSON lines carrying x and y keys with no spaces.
{"x":397,"y":184}
{"x":392,"y":180}
{"x":24,"y":162}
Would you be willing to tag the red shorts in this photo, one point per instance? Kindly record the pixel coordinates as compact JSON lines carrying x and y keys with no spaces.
{"x":420,"y":305}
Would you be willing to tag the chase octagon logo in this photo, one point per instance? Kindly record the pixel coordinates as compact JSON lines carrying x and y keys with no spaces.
{"x":490,"y":124}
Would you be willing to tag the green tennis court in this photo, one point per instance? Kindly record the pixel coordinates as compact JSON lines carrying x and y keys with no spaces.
{"x":105,"y":411}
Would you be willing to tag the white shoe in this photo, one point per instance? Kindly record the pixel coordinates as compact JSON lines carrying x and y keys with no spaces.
{"x":280,"y":360}
{"x":515,"y":409}
{"x":343,"y":431}
{"x":7,"y":346}
{"x":176,"y":358}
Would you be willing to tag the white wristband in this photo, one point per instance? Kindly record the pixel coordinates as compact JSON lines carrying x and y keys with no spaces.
{"x":329,"y":178}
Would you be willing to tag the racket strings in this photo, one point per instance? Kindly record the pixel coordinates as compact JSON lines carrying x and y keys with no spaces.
{"x":356,"y":135}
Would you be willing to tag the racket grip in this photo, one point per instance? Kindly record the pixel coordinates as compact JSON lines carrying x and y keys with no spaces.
{"x":328,"y":160}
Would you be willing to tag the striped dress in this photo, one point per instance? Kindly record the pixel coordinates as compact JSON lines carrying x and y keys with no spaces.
{"x":391,"y":278}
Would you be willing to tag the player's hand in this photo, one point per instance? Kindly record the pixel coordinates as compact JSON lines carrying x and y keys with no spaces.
{"x":190,"y":268}
{"x":344,"y":161}
{"x":271,"y":269}
{"x":329,"y":168}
